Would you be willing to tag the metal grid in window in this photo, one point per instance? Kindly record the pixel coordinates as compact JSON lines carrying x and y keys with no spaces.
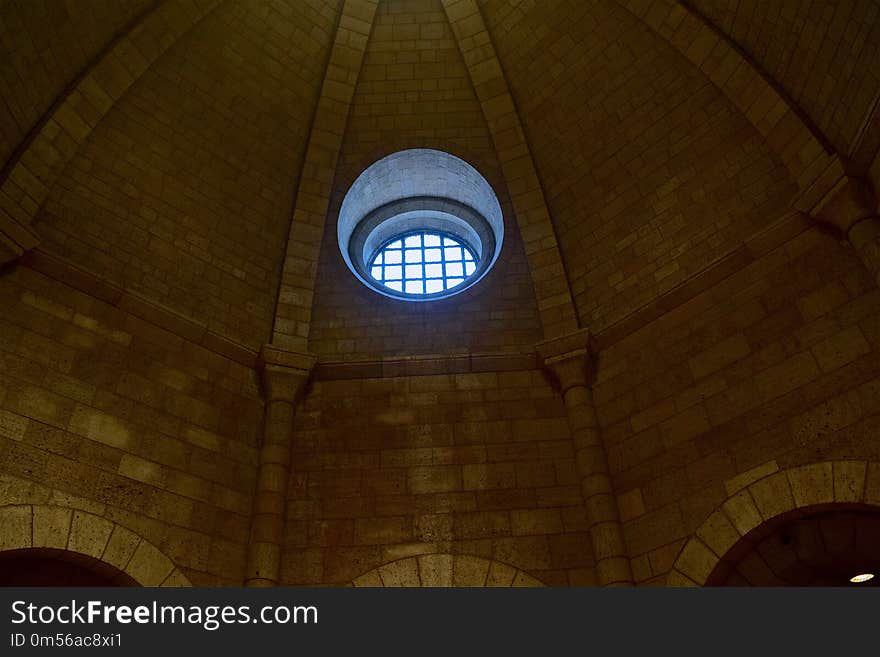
{"x":423,"y":263}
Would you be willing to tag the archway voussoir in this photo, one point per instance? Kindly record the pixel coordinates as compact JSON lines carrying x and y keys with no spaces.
{"x":89,"y":534}
{"x":696,"y":560}
{"x":743,"y":513}
{"x":404,"y":572}
{"x":85,"y":538}
{"x":718,"y":533}
{"x":436,"y":569}
{"x":16,"y":527}
{"x":148,"y":565}
{"x":678,"y":579}
{"x":872,"y":484}
{"x":849,"y":480}
{"x":772,"y":495}
{"x":500,"y":574}
{"x":842,"y":482}
{"x":469,"y":571}
{"x":812,"y":484}
{"x":51,"y":526}
{"x":120,"y":547}
{"x":176,"y":579}
{"x":370,"y":579}
{"x":523,"y":579}
{"x":444,"y":569}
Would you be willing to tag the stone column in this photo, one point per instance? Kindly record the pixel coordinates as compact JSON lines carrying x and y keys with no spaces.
{"x":284,"y":376}
{"x":567,"y":358}
{"x":851,"y":209}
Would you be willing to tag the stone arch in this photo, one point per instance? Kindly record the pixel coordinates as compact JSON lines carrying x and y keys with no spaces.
{"x":26,"y":181}
{"x":444,"y":570}
{"x":814,"y":166}
{"x":772,"y":494}
{"x":43,"y":526}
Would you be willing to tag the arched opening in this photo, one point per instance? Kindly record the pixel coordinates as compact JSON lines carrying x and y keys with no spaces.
{"x":436,"y":213}
{"x":827,"y":545}
{"x":446,"y":570}
{"x":53,"y":567}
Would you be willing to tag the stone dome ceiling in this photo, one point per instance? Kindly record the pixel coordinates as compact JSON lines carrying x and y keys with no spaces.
{"x":175,"y":148}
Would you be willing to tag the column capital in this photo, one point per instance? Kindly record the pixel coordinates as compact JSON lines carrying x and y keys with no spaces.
{"x":284,"y":373}
{"x":567,"y":358}
{"x":846,"y":204}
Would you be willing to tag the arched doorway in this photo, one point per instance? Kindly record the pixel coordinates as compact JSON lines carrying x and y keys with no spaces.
{"x":812,"y":525}
{"x":825,"y":546}
{"x":48,"y":545}
{"x":53,"y":567}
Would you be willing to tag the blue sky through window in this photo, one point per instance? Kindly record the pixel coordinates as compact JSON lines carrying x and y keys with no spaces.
{"x":423,"y":263}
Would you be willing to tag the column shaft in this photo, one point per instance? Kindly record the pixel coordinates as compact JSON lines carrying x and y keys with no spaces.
{"x":270,"y":500}
{"x":284,"y":377}
{"x":609,"y":551}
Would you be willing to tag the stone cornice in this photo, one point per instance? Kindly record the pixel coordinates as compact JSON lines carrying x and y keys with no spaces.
{"x":425,"y":365}
{"x":284,"y":373}
{"x":84,"y":281}
{"x":568,"y":359}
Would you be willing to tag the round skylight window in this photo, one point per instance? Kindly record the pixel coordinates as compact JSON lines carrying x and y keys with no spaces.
{"x":423,"y":262}
{"x":420,"y":225}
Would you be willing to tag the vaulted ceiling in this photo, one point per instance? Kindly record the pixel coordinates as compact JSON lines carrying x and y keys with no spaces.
{"x":182,"y":184}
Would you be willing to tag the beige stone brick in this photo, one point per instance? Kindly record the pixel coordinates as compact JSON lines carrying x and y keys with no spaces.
{"x":685,"y":426}
{"x":404,"y":572}
{"x":120,"y":547}
{"x":469,"y":571}
{"x":812,"y":484}
{"x":773,"y":495}
{"x":718,"y":533}
{"x":748,"y":477}
{"x":434,"y":479}
{"x":16,"y":524}
{"x":142,"y":470}
{"x":785,"y":377}
{"x":500,"y":574}
{"x":51,"y":526}
{"x":436,"y":569}
{"x":148,"y":566}
{"x":88,"y":534}
{"x":12,"y":425}
{"x":696,"y":561}
{"x":840,"y":349}
{"x":724,"y":353}
{"x":101,"y":427}
{"x":849,"y":480}
{"x":630,"y":504}
{"x":742,"y":512}
{"x":872,"y":484}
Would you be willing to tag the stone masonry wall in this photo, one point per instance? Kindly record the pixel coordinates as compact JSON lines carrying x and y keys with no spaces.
{"x":104,"y":412}
{"x":476,"y":463}
{"x":774,"y":367}
{"x":183,"y":192}
{"x":414,"y":92}
{"x":650,"y":174}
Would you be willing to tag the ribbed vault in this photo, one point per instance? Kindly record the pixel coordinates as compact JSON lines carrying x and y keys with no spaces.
{"x":184,"y":190}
